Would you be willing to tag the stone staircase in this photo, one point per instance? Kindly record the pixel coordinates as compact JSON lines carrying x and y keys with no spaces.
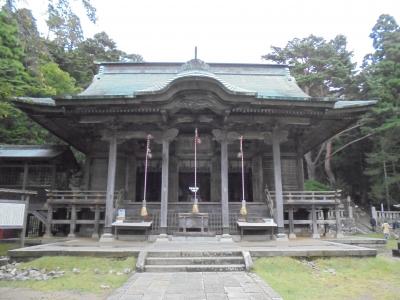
{"x":191,"y":261}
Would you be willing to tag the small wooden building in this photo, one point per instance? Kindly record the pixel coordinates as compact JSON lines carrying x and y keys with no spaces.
{"x":38,"y":168}
{"x":110,"y":120}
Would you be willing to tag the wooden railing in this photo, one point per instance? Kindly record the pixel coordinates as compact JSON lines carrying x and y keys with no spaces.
{"x":308,"y":197}
{"x":74,"y":202}
{"x":80,"y":197}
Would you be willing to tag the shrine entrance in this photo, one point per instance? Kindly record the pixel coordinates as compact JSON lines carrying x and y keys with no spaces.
{"x":186,"y":180}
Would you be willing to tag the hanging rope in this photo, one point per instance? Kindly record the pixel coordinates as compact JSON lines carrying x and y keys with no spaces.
{"x":143,"y":211}
{"x":243,"y":209}
{"x":195,"y":208}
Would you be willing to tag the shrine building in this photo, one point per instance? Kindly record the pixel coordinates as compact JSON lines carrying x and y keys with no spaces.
{"x":126,"y":102}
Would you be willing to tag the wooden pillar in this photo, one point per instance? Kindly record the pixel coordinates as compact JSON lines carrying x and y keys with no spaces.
{"x":72,"y":224}
{"x":173,"y":191}
{"x":276,"y":153}
{"x":86,"y":175}
{"x":53,"y":176}
{"x":257,"y":178}
{"x":95,"y":234}
{"x":315,"y":233}
{"x":300,"y":173}
{"x":164,"y":186}
{"x":292,"y":235}
{"x":130,"y":178}
{"x":48,"y":233}
{"x":109,"y":212}
{"x":167,"y":137}
{"x":215,"y":180}
{"x":25,"y":176}
{"x":224,"y":186}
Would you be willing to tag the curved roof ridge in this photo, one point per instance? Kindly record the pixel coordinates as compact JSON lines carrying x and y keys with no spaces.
{"x":196,"y":73}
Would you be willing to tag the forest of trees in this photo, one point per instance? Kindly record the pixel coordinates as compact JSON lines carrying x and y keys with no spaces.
{"x":363,"y":161}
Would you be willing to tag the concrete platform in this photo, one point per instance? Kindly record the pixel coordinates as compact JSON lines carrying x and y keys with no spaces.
{"x":90,"y":247}
{"x":374,"y":243}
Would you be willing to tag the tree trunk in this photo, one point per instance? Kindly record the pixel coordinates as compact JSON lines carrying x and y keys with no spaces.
{"x":386,"y":185}
{"x":328,"y":166}
{"x":311,"y":167}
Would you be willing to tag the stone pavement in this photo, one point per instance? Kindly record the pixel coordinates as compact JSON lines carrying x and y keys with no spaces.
{"x":195,"y":286}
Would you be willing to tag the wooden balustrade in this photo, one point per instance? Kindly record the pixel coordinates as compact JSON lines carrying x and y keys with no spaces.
{"x":310,"y":197}
{"x":74,"y":202}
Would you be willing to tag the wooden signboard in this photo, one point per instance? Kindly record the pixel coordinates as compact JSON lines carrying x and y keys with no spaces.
{"x":14,"y":213}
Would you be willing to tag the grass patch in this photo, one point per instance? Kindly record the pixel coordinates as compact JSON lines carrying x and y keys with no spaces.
{"x":353,"y":278}
{"x":86,"y":281}
{"x":4,"y":247}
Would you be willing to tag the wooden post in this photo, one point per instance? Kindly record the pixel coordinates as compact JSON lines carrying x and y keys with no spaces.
{"x":215,"y":183}
{"x":72,"y":224}
{"x":48,"y":233}
{"x":95,"y":234}
{"x":25,"y":198}
{"x":112,"y":165}
{"x":257,"y":178}
{"x":86,"y":175}
{"x":292,"y":235}
{"x":166,"y":139}
{"x":164,"y":186}
{"x":315,"y":233}
{"x":131,"y":178}
{"x":25,"y":176}
{"x":224,"y":186}
{"x":276,"y":153}
{"x":173,"y":190}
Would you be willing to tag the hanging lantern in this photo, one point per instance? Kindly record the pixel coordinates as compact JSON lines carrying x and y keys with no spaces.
{"x":195,"y":188}
{"x":243,"y":209}
{"x":143,"y":211}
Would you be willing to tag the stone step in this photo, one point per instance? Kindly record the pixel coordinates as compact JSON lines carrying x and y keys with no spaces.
{"x":193,"y":253}
{"x":194,"y":268}
{"x":219,"y":260}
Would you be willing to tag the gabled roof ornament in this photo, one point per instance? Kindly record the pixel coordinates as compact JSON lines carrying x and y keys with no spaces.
{"x":195,"y":64}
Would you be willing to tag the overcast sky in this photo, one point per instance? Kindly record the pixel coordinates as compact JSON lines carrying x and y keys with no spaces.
{"x":229,"y":30}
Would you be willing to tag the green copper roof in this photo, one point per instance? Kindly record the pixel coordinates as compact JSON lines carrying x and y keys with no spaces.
{"x":258,"y":80}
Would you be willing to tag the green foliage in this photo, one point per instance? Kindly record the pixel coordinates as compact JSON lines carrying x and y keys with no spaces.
{"x":321,"y":67}
{"x":14,"y":80}
{"x":381,"y":80}
{"x":314,"y":185}
{"x":57,"y":81}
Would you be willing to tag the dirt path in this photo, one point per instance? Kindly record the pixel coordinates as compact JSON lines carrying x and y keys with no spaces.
{"x":28,"y":294}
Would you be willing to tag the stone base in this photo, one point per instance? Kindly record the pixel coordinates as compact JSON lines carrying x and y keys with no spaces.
{"x":71,"y":235}
{"x":292,"y":236}
{"x":163,"y":237}
{"x":281,"y":237}
{"x":226,"y":238}
{"x":339,"y":235}
{"x":106,"y":238}
{"x":316,"y":236}
{"x":95,"y":236}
